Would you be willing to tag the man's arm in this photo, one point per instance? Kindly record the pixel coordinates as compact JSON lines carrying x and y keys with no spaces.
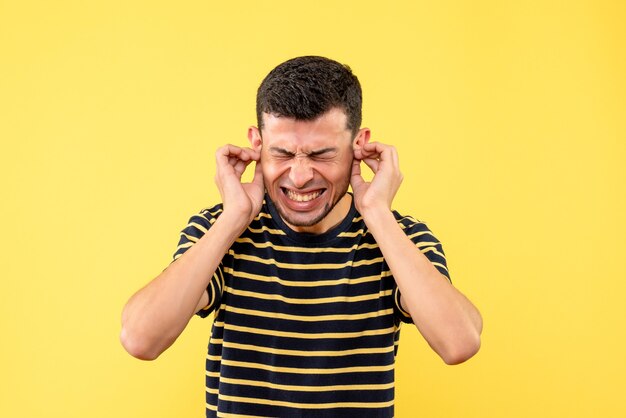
{"x":444,"y":316}
{"x":159,"y":312}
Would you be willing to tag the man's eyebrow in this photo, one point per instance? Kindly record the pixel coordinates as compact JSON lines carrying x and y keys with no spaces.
{"x":322,"y":151}
{"x":278,"y":150}
{"x":282,"y":151}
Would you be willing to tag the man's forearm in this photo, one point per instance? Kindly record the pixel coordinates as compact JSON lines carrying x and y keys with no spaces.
{"x":445,"y":317}
{"x":158,"y":313}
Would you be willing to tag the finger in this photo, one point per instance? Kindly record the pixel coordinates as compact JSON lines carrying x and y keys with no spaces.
{"x":254,"y":154}
{"x":387,"y":156}
{"x":371,"y":147}
{"x":236,"y":157}
{"x":385,"y":152}
{"x":225,"y":155}
{"x":368,"y":151}
{"x":372,"y":163}
{"x":221,"y":155}
{"x":228,"y":150}
{"x":374,"y":151}
{"x":356,"y":180}
{"x":394,"y":156}
{"x":240,"y":167}
{"x":248,"y":154}
{"x":233,"y":151}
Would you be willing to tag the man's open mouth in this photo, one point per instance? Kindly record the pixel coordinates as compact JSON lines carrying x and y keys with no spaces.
{"x":302,"y":197}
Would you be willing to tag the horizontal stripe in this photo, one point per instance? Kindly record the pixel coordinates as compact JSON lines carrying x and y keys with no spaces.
{"x":263,"y":215}
{"x":309,"y":318}
{"x":266,"y":229}
{"x":298,"y":388}
{"x":354,"y":234}
{"x":315,"y":250}
{"x":362,"y":232}
{"x":198,"y":226}
{"x":313,"y":301}
{"x":304,"y":353}
{"x":303,"y":370}
{"x":189,"y":237}
{"x":440,"y":265}
{"x":420,"y":233}
{"x":212,"y":213}
{"x":185,"y":245}
{"x":221,"y":414}
{"x":307,"y":405}
{"x":299,"y":283}
{"x":434,"y":250}
{"x":424,"y":244}
{"x":296,"y":266}
{"x":309,"y":336}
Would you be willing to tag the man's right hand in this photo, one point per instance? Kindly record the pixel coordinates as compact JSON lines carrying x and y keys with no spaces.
{"x":242,"y":201}
{"x":156,"y":314}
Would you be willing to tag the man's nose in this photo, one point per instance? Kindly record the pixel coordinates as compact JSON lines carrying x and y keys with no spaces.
{"x":300,"y":172}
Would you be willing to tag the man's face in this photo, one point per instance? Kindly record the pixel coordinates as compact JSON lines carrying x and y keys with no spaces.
{"x":306,"y":169}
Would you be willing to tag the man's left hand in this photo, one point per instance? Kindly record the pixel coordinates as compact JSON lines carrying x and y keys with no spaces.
{"x":379,"y":193}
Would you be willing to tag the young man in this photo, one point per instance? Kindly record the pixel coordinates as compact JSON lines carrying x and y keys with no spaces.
{"x":309,"y":283}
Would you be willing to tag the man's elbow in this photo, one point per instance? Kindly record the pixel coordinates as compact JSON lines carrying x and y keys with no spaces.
{"x":138,"y":347}
{"x":462,"y":351}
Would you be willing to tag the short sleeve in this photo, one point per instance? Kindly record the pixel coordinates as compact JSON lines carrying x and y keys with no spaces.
{"x":429,"y":245}
{"x":197,"y":226}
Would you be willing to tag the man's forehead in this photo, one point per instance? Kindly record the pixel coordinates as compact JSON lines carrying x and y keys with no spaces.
{"x":330,"y":129}
{"x":333,"y":119}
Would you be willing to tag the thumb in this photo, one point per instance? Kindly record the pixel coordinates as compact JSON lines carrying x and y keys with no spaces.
{"x":258,"y":175}
{"x":356,"y":180}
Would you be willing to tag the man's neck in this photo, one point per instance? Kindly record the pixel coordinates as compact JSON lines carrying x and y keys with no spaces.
{"x":334,"y":218}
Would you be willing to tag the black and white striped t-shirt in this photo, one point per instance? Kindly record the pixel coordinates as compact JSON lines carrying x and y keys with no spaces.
{"x":305,"y":325}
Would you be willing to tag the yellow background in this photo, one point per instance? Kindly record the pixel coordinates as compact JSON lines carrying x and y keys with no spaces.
{"x":510,"y":119}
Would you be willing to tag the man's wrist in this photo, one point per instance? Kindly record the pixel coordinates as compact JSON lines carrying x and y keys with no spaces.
{"x":376,"y":217}
{"x":235,"y":222}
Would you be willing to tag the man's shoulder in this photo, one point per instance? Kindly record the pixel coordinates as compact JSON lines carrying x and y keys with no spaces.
{"x":206,"y":216}
{"x":406,"y":221}
{"x":211,"y":211}
{"x":200,"y":221}
{"x":415,"y":228}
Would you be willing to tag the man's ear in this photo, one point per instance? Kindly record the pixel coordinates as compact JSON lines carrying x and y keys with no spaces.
{"x":362,"y":138}
{"x":254,"y":136}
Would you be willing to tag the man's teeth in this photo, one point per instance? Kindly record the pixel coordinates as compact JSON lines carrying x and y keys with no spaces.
{"x":302,"y":197}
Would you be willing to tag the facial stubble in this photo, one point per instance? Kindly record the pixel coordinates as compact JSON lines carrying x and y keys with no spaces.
{"x":327,"y":208}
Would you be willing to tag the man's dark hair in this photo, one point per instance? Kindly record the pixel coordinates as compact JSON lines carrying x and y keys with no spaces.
{"x":306,"y":87}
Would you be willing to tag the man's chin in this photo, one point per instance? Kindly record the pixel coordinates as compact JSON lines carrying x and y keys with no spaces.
{"x":307,"y":219}
{"x":303,"y":219}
